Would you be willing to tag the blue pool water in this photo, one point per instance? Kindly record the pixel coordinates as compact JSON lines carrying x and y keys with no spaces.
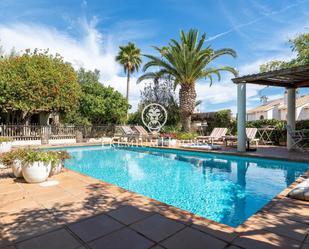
{"x":226,"y":189}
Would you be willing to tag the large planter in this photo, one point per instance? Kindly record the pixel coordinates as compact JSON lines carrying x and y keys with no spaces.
{"x":36,"y":172}
{"x":56,"y":169}
{"x":17,"y":168}
{"x":5,"y":147}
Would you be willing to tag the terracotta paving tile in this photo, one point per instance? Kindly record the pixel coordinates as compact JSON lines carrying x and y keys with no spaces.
{"x":70,"y":212}
{"x":94,"y":227}
{"x":219,"y":231}
{"x":129,"y":214}
{"x":52,"y":240}
{"x":30,"y":188}
{"x":283,"y":227}
{"x":12,"y":196}
{"x":50,"y":195}
{"x":17,"y":205}
{"x":193,"y":239}
{"x":157,"y":227}
{"x":122,"y":239}
{"x":64,"y":201}
{"x":21,"y":225}
{"x":265,"y":240}
{"x":7,"y":188}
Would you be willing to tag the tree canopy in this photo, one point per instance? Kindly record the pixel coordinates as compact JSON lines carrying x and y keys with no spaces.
{"x":37,"y":81}
{"x":98,"y":104}
{"x":186,"y":61}
{"x":299,"y":45}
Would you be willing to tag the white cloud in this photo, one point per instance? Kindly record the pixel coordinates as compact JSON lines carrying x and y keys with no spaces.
{"x":92,"y":50}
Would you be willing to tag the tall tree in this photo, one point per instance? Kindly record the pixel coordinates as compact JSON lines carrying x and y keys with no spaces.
{"x":36,"y":82}
{"x":98,"y":105}
{"x":129,"y":57}
{"x":186,"y":62}
{"x":299,"y":45}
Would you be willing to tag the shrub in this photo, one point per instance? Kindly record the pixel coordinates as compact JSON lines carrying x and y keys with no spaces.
{"x":8,"y":158}
{"x":5,"y":139}
{"x":168,"y":135}
{"x":186,"y":136}
{"x":278,"y":136}
{"x":172,"y":128}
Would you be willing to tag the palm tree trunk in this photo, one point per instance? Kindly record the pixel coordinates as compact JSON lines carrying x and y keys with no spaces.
{"x":187,"y":99}
{"x":128,"y":85}
{"x":128,"y":88}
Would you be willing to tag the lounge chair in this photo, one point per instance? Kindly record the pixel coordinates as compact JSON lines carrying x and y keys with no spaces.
{"x":217,"y":134}
{"x":251,"y":137}
{"x":143,"y":133}
{"x":298,"y":137}
{"x":124,"y":132}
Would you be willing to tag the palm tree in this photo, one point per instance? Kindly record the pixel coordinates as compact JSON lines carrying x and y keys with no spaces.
{"x":186,"y":62}
{"x":129,"y":57}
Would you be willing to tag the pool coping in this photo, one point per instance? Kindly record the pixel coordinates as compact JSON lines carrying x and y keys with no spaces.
{"x":188,"y":217}
{"x":228,"y":153}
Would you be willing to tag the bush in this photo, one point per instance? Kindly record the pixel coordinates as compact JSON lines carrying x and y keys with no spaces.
{"x":5,"y":139}
{"x":8,"y":158}
{"x":221,"y":118}
{"x":279,"y":134}
{"x":186,"y":136}
{"x":171,"y":128}
{"x":31,"y":155}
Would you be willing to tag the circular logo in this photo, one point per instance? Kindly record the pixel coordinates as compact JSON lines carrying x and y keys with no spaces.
{"x":154,"y":116}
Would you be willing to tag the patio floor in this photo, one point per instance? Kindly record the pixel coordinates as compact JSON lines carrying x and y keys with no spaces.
{"x":81,"y":212}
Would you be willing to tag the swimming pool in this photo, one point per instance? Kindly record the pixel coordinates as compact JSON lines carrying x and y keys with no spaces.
{"x":226,"y":189}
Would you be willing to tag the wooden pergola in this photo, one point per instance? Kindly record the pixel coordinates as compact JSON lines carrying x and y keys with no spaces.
{"x":290,"y":78}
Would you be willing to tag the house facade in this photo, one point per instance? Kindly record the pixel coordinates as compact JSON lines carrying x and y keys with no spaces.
{"x":277,"y":109}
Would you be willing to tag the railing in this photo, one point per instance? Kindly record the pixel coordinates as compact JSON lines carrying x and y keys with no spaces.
{"x":32,"y":132}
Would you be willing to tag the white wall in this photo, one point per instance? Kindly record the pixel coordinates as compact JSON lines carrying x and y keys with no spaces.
{"x":256,"y":116}
{"x":302,"y":113}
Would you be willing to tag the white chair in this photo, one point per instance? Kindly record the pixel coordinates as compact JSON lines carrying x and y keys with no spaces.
{"x":217,"y":134}
{"x":299,"y":138}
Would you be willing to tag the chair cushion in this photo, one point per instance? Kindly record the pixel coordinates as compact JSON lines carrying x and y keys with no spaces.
{"x":301,"y":191}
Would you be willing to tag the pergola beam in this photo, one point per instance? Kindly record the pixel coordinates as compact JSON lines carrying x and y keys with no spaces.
{"x":290,"y":78}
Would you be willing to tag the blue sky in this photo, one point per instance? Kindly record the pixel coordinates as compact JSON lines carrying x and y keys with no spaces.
{"x":88,"y":33}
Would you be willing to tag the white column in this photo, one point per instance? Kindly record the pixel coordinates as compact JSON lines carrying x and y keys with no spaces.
{"x":241,"y":117}
{"x":291,"y":114}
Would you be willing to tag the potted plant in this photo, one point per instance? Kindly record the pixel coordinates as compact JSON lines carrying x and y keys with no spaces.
{"x":14,"y":159}
{"x":36,"y":165}
{"x":58,"y":163}
{"x":5,"y":144}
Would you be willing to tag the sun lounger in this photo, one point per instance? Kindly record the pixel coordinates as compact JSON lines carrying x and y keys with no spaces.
{"x":124,"y":132}
{"x":251,"y":137}
{"x":217,"y":134}
{"x":143,"y":133}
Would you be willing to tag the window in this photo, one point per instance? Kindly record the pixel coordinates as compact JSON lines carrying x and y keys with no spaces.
{"x":261,"y":117}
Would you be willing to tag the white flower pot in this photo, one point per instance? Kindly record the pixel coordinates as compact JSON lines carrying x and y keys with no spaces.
{"x":36,"y":172}
{"x":17,"y":169}
{"x":56,"y":169}
{"x":5,"y":147}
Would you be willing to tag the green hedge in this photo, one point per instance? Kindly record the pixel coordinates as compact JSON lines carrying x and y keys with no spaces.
{"x":279,"y":135}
